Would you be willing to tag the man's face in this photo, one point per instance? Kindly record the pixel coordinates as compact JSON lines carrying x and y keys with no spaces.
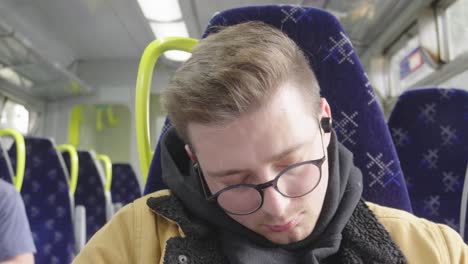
{"x":254,"y":148}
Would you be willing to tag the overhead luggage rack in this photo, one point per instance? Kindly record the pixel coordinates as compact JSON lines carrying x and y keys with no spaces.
{"x":24,"y":68}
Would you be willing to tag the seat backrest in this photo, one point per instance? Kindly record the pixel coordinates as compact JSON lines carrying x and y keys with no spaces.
{"x":90,"y":192}
{"x":154,"y":180}
{"x":357,"y":117}
{"x":47,"y":201}
{"x":430,"y":130}
{"x":6,"y":171}
{"x":125,"y":187}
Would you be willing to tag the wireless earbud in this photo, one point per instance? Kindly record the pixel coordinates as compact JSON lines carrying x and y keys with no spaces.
{"x":325,"y":122}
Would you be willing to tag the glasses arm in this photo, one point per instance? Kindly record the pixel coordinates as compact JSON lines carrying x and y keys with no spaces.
{"x":203,"y":183}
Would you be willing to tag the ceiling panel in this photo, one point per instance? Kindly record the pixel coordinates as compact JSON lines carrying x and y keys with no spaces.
{"x":96,"y":29}
{"x":23,"y":68}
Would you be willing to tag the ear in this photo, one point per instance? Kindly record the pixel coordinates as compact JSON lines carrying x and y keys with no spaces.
{"x":325,"y":111}
{"x":190,"y":154}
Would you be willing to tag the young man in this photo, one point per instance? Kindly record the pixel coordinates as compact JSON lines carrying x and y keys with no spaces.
{"x":16,"y":242}
{"x":256,"y":174}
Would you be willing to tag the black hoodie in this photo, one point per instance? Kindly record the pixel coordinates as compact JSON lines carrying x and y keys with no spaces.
{"x":241,"y":245}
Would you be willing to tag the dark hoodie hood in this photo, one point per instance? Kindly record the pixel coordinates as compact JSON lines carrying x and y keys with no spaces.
{"x":343,"y":194}
{"x":179,"y":175}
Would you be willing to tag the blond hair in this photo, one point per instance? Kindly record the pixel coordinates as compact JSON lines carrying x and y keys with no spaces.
{"x":236,"y":71}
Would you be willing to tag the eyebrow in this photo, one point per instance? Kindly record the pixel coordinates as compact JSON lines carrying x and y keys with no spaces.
{"x":224,"y":173}
{"x":275,"y":157}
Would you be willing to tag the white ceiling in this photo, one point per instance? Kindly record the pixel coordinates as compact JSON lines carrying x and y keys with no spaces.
{"x":109,"y":29}
{"x":64,"y":32}
{"x":43,"y":40}
{"x":97,"y":29}
{"x":92,"y":29}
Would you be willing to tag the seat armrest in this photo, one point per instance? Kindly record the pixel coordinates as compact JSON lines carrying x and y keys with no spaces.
{"x":79,"y":226}
{"x":117,"y":206}
{"x":109,"y":206}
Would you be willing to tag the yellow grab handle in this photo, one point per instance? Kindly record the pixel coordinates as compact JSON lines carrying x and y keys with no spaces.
{"x":76,"y":117}
{"x":111,"y":118}
{"x":99,"y":114}
{"x":143,"y":89}
{"x":106,"y":161}
{"x":20,"y":155}
{"x":74,"y":165}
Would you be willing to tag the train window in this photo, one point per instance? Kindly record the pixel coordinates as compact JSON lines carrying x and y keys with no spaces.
{"x":16,"y":116}
{"x":456,"y":25}
{"x":3,"y":100}
{"x":34,"y":122}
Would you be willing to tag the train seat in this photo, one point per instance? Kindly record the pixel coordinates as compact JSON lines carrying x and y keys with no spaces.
{"x":125,"y":187}
{"x":91,"y":194}
{"x":430,"y":131}
{"x":358,"y":120}
{"x":47,"y":200}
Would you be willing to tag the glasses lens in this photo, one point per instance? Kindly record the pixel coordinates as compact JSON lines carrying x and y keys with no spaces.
{"x":240,"y":200}
{"x":299,"y":180}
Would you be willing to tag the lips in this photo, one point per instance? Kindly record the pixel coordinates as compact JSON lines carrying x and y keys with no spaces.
{"x":284,"y":226}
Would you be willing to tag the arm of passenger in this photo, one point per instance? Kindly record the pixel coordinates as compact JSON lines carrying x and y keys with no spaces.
{"x":16,"y":242}
{"x":26,"y":258}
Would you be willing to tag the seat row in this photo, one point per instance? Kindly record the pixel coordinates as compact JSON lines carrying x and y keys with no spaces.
{"x":68,"y":194}
{"x":429,"y":127}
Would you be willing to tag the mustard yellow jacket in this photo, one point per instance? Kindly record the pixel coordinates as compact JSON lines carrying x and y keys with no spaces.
{"x":138,"y":235}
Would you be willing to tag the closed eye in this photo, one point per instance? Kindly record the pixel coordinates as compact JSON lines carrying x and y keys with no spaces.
{"x":235,"y":179}
{"x":288,"y":161}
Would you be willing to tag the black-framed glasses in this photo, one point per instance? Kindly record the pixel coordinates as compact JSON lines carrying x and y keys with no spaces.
{"x":294,"y":181}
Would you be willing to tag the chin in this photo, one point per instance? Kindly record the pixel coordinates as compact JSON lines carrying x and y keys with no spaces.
{"x":284,"y":239}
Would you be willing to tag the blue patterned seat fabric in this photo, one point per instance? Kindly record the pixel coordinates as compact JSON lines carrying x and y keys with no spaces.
{"x":48,"y":203}
{"x":154,"y":181}
{"x":90,"y":192}
{"x":125,"y":187}
{"x":6,"y":171}
{"x":430,"y":130}
{"x":357,"y":117}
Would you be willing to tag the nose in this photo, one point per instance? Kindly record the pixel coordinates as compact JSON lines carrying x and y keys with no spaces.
{"x":274,"y":204}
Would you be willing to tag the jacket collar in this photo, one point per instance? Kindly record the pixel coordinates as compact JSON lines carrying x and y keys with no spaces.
{"x":200,"y":244}
{"x":365,"y":240}
{"x":170,"y":207}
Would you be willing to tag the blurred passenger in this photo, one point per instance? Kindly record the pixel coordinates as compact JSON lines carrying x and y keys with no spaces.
{"x":16,"y":242}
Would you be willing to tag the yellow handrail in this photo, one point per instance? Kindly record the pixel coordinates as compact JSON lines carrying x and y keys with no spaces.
{"x":20,"y":155}
{"x":99,"y":114}
{"x":74,"y":165}
{"x":106,"y":161}
{"x":112,"y":120}
{"x":76,"y":117}
{"x":143,"y":89}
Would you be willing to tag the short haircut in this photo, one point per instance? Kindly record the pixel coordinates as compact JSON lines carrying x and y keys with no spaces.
{"x":233,"y":72}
